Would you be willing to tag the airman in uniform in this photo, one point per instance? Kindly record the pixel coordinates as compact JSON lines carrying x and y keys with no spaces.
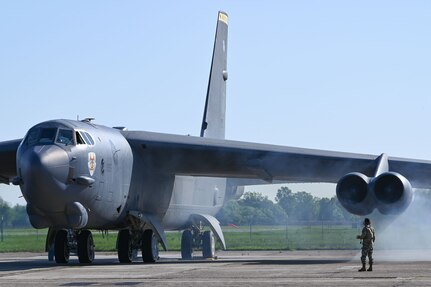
{"x":368,"y":237}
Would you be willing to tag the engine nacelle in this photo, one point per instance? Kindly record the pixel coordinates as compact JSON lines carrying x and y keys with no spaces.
{"x":354,"y":195}
{"x":393,"y":192}
{"x":390,"y":192}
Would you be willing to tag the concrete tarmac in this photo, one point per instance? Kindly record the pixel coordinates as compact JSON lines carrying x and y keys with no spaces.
{"x":231,"y":268}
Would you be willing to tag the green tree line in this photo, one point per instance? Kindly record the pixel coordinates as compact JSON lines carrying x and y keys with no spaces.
{"x":13,"y":216}
{"x":254,"y":208}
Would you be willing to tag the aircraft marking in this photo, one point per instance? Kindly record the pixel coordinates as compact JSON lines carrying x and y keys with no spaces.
{"x":223,"y":17}
{"x":91,"y":162}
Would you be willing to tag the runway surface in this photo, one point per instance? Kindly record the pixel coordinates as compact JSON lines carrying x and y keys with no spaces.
{"x":239,"y":268}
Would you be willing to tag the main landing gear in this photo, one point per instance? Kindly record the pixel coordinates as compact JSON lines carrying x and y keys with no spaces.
{"x":64,"y":242}
{"x":194,"y":239}
{"x":129,"y":241}
{"x":145,"y":234}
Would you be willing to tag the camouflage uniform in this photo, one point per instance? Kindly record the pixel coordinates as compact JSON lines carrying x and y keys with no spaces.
{"x":368,"y":237}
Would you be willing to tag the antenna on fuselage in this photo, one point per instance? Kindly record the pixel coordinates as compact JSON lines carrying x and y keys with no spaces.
{"x":88,"y":120}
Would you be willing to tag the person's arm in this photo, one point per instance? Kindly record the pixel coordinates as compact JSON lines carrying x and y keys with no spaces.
{"x":363,"y":235}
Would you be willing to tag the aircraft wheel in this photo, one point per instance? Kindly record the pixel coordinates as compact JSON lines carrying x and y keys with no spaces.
{"x":51,"y":252}
{"x":186,"y":245}
{"x":85,"y":247}
{"x":125,"y":252}
{"x":208,"y":244}
{"x":150,"y":246}
{"x":61,"y":247}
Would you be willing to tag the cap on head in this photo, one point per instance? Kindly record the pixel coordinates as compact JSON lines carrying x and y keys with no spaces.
{"x":367,"y":221}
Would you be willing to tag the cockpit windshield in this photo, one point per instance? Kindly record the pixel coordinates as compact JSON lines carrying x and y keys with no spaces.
{"x":65,"y":137}
{"x":38,"y":136}
{"x":41,"y":136}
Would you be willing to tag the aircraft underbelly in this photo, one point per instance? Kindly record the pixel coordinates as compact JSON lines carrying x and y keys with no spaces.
{"x":194,"y":195}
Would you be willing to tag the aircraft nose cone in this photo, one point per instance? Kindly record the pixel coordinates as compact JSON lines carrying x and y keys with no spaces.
{"x":44,"y":171}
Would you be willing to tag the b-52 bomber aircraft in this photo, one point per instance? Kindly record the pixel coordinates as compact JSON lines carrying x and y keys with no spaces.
{"x":77,"y":176}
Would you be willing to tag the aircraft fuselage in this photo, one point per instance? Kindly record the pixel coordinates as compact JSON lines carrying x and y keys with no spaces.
{"x":76,"y":174}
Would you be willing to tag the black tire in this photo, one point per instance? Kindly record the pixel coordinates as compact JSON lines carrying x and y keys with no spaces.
{"x":85,"y":247}
{"x":186,"y":245}
{"x":51,"y":252}
{"x":208,"y":244}
{"x":150,"y":247}
{"x":125,"y":252}
{"x":61,"y":247}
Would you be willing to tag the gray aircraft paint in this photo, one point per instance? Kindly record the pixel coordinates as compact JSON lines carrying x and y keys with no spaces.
{"x":105,"y":198}
{"x":169,"y":181}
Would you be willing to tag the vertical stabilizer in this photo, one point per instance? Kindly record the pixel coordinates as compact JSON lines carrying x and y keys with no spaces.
{"x":213,"y":123}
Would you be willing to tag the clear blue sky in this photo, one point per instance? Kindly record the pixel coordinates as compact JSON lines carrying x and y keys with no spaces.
{"x":337,"y":75}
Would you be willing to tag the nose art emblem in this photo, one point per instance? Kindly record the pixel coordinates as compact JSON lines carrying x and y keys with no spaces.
{"x":91,"y":162}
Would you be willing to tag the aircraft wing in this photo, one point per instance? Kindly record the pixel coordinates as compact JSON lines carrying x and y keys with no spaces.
{"x":195,"y":156}
{"x":8,"y":160}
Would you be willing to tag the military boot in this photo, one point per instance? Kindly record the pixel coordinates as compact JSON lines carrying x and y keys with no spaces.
{"x":371,"y":267}
{"x":363,"y":268}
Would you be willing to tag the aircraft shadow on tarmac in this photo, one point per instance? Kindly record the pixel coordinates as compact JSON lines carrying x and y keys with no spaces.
{"x":296,"y":262}
{"x":28,"y":264}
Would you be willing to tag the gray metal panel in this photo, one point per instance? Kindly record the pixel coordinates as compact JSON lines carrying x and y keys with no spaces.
{"x":8,"y":160}
{"x":186,"y":155}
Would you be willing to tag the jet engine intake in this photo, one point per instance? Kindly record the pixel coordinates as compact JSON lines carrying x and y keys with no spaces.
{"x":389,"y":192}
{"x":392,"y":191}
{"x":354,"y":195}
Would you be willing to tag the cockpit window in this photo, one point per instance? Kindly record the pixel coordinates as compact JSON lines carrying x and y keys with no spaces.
{"x":65,"y":137}
{"x":47,"y":135}
{"x":88,"y":138}
{"x":79,"y":139}
{"x":84,"y":138}
{"x":41,"y":136}
{"x":32,"y":137}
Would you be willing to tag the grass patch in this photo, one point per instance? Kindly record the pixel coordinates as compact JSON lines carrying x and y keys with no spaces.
{"x":242,"y":238}
{"x":292,"y":238}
